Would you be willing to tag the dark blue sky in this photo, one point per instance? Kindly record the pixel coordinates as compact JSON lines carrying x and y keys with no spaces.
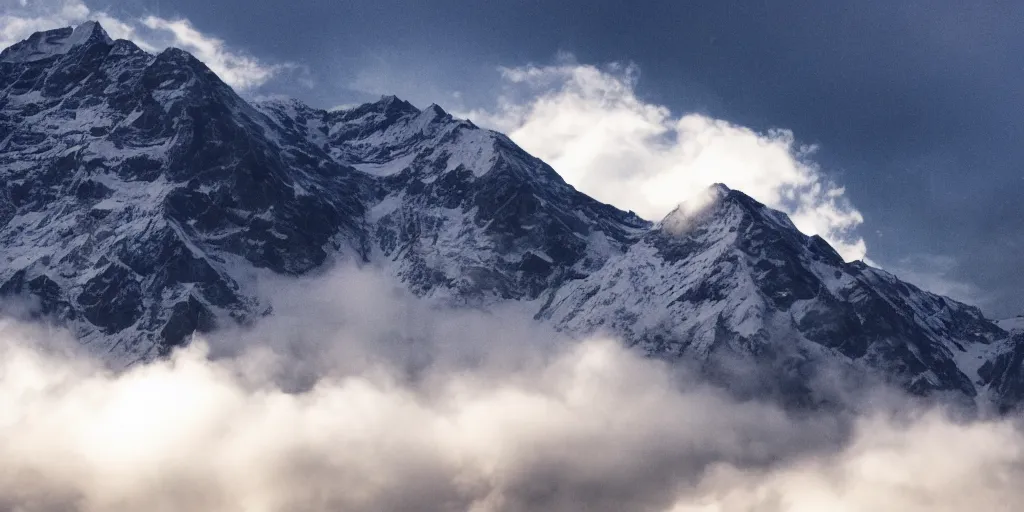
{"x":916,"y":105}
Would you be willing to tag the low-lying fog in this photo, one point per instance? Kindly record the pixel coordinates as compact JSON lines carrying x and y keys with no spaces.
{"x":356,"y":397}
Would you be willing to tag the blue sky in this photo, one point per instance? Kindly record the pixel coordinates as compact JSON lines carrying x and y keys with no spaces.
{"x":913,"y":108}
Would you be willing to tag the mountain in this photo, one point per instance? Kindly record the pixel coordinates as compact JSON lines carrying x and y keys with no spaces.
{"x":1003,"y":372}
{"x":737,"y":277}
{"x":140,"y":197}
{"x":462,"y":213}
{"x":136,"y":187}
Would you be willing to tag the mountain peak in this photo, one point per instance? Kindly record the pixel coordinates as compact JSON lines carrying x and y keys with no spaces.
{"x":718,"y":198}
{"x":386,"y":110}
{"x":194,"y":192}
{"x":435,"y":110}
{"x":46,"y":44}
{"x":392,"y":103}
{"x":719,"y":188}
{"x":701,"y":205}
{"x":93,"y":29}
{"x":719,"y":213}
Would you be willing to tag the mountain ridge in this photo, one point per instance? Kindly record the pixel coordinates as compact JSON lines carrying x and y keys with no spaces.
{"x":141,"y":193}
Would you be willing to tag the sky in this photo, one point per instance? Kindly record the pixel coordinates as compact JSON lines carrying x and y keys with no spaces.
{"x":891,"y":128}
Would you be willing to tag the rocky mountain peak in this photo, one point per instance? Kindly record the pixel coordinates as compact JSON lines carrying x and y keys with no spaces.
{"x":731,"y":276}
{"x":720,"y":216}
{"x":139,"y":195}
{"x":51,"y":43}
{"x":391,"y":107}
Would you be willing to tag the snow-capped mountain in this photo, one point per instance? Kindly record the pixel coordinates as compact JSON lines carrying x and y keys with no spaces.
{"x":139,"y":195}
{"x":460,"y":212}
{"x":736,"y":277}
{"x":136,"y":186}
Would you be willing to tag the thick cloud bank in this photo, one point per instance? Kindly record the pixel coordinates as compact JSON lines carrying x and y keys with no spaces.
{"x":593,"y":128}
{"x":357,"y":397}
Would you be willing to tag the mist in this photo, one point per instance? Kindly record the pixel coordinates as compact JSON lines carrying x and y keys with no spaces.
{"x":356,"y":396}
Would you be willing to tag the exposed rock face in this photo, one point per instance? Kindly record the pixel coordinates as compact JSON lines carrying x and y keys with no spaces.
{"x":460,"y":212}
{"x":139,"y":194}
{"x":138,"y":185}
{"x":738,"y":278}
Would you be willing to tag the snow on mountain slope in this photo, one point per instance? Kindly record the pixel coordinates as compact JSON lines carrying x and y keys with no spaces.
{"x":140,"y":196}
{"x":1003,"y":371}
{"x":463,"y":213}
{"x":137,"y":189}
{"x":43,"y":45}
{"x":738,"y":278}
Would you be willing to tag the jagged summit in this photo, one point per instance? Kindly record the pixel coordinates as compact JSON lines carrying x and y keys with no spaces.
{"x":139,"y":194}
{"x":737,"y":277}
{"x":390,"y":106}
{"x":183,"y":185}
{"x":50,"y":43}
{"x":723,"y":209}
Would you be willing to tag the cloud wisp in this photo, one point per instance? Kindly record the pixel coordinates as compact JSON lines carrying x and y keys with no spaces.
{"x":937,"y":274}
{"x":589,"y":123}
{"x":151,"y":33}
{"x":355,"y":396}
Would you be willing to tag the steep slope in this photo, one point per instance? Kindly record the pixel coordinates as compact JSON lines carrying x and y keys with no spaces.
{"x":140,"y":197}
{"x":463,"y":213}
{"x":141,"y":193}
{"x":136,"y":187}
{"x":1003,"y":372}
{"x":737,"y":280}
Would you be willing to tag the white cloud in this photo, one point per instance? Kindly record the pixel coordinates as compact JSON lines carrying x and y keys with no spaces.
{"x":936,"y":273}
{"x":22,"y":18}
{"x":238,"y":70}
{"x":151,"y":33}
{"x":590,"y":125}
{"x":406,"y":406}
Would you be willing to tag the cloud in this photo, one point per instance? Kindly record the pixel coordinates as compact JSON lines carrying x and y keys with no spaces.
{"x":936,"y":273}
{"x":927,"y":463}
{"x":356,"y":396}
{"x":22,"y":18}
{"x":151,"y":33}
{"x":593,"y":128}
{"x":416,"y":80}
{"x":238,"y":70}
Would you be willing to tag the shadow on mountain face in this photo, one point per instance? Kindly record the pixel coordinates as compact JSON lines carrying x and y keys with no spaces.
{"x":355,"y":395}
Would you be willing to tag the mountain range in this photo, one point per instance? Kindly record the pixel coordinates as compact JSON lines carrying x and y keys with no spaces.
{"x":140,"y":197}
